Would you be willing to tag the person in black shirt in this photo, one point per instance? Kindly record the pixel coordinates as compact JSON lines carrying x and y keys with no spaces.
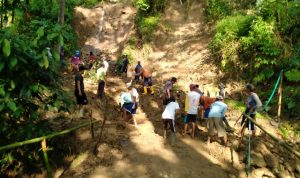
{"x":79,"y":90}
{"x":125,"y":63}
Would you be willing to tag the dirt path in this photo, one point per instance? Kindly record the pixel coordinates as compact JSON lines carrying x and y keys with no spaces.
{"x":179,"y":48}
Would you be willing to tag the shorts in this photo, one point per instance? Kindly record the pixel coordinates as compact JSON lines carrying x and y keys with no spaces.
{"x":247,"y":121}
{"x":133,"y":111}
{"x":216,"y":123}
{"x":81,"y":100}
{"x":206,"y":112}
{"x":128,"y":107}
{"x":147,"y":81}
{"x":191,"y":118}
{"x":169,"y":122}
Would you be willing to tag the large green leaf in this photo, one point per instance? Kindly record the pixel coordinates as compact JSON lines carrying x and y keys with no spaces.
{"x":2,"y":91}
{"x":6,"y":47}
{"x":51,"y":36}
{"x":40,"y":32}
{"x":1,"y":106}
{"x":12,"y":84}
{"x":34,"y":87}
{"x":12,"y":106}
{"x":293,"y":75}
{"x":13,"y":62}
{"x":46,"y":62}
{"x":55,"y":55}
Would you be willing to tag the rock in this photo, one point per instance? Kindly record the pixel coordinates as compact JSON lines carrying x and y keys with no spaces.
{"x":297,"y":166}
{"x":281,"y":160}
{"x":273,"y":123}
{"x":288,"y":166}
{"x":261,"y":147}
{"x":235,"y":144}
{"x":272,"y":161}
{"x":262,"y":172}
{"x":284,"y":174}
{"x":257,"y":160}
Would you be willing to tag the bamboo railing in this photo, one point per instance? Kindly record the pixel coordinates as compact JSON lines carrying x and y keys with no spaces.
{"x":44,"y":144}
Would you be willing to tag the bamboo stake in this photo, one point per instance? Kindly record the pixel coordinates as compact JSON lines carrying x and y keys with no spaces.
{"x":48,"y":167}
{"x":280,"y":98}
{"x":34,"y":140}
{"x":280,"y":142}
{"x":102,"y":127}
{"x":92,"y":129}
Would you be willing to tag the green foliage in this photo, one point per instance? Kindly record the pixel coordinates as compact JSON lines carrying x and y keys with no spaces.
{"x":293,"y":75}
{"x":147,"y":25}
{"x":30,"y":81}
{"x":217,"y":9}
{"x":148,"y":16}
{"x":142,"y":5}
{"x":257,"y":46}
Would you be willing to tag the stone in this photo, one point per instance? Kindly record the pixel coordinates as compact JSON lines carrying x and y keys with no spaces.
{"x":262,"y":172}
{"x":288,"y":166}
{"x":284,"y":174}
{"x":271,"y":161}
{"x":257,"y":160}
{"x":261,"y":147}
{"x":297,"y":166}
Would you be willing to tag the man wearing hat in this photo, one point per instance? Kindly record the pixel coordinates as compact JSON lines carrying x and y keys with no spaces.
{"x":215,"y":119}
{"x":253,"y":103}
{"x":192,"y":101}
{"x":75,"y":60}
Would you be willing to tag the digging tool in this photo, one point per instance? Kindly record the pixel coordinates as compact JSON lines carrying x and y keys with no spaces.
{"x":238,"y":119}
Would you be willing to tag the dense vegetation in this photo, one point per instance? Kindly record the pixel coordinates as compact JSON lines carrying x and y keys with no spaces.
{"x":148,"y":16}
{"x":29,"y":81}
{"x":255,"y":38}
{"x":258,"y":39}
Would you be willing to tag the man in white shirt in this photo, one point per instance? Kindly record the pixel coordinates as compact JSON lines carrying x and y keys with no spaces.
{"x":105,"y":63}
{"x":135,"y":101}
{"x":101,"y":80}
{"x":192,"y":101}
{"x":168,"y":117}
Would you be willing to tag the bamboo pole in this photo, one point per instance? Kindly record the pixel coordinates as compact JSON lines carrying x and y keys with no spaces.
{"x":44,"y":149}
{"x":280,"y":142}
{"x":98,"y":142}
{"x":280,"y":89}
{"x":34,"y":140}
{"x":92,"y":129}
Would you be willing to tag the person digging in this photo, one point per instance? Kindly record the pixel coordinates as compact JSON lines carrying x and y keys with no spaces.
{"x":168,"y":117}
{"x":215,"y":120}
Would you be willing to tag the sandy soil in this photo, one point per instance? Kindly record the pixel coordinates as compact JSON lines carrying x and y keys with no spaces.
{"x":180,"y":49}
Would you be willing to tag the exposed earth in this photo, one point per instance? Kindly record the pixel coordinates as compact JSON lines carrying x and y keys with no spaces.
{"x":179,"y":48}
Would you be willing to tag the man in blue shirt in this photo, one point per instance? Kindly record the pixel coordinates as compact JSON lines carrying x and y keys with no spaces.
{"x":215,"y":119}
{"x":138,"y":71}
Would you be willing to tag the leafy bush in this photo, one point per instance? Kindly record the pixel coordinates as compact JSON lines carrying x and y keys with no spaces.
{"x":226,"y":42}
{"x":257,"y":47}
{"x":147,"y":26}
{"x":217,"y":9}
{"x":148,"y":16}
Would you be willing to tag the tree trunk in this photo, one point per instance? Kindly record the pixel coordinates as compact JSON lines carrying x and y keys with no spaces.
{"x":2,"y":8}
{"x":61,"y":12}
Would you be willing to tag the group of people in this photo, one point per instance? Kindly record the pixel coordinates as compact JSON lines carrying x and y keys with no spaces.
{"x":196,"y":104}
{"x":213,"y":110}
{"x":78,"y":67}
